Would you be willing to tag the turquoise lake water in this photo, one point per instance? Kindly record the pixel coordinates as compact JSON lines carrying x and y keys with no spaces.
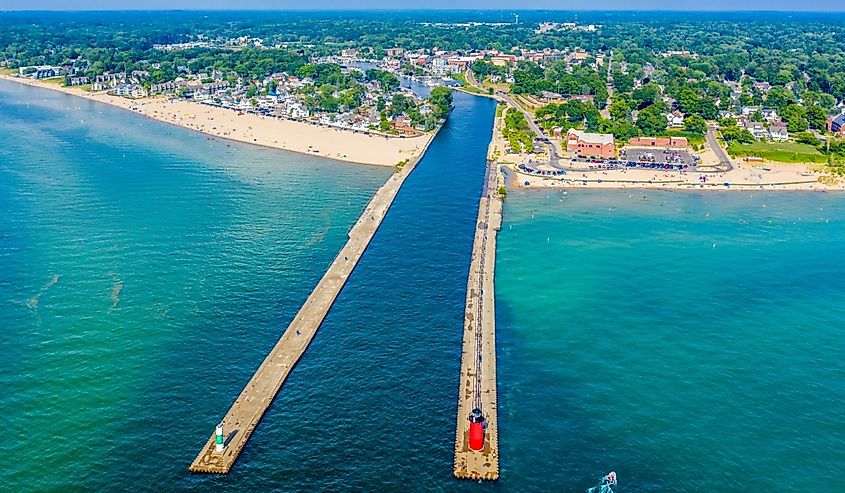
{"x":690,"y":342}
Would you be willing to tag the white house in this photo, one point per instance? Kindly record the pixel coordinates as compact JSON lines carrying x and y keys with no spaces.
{"x":749,"y":110}
{"x":757,"y":130}
{"x":769,"y":114}
{"x":778,"y":132}
{"x":675,"y":119}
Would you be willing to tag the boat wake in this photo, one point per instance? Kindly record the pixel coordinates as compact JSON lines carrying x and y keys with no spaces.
{"x":606,"y":485}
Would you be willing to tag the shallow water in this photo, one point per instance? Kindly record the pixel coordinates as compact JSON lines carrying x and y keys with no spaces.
{"x":146,"y":271}
{"x":690,"y":342}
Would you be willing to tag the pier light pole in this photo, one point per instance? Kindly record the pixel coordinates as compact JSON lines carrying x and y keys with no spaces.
{"x":218,"y":438}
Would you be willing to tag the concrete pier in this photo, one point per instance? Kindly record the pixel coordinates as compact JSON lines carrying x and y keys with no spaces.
{"x":478,"y":357}
{"x":247,"y":410}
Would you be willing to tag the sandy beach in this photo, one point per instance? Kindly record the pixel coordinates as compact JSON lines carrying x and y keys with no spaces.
{"x":744,"y":176}
{"x":333,"y":143}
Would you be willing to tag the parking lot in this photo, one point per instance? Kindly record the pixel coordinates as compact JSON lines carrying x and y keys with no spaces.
{"x":656,"y":159}
{"x":658,"y":156}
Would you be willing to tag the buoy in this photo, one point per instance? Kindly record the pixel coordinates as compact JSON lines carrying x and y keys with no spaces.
{"x":218,"y":438}
{"x":476,"y":429}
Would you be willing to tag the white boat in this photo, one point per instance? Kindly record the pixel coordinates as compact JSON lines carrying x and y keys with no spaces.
{"x":606,"y":485}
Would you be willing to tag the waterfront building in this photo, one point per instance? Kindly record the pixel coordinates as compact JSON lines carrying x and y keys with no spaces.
{"x":590,"y":144}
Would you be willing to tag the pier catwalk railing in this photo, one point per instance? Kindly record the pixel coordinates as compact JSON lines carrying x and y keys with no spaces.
{"x":477,"y":390}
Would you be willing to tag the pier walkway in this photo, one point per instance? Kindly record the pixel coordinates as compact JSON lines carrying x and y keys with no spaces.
{"x":253,"y":401}
{"x":478,"y":357}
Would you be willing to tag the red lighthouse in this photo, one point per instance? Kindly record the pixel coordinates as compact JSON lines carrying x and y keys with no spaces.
{"x":477,"y":424}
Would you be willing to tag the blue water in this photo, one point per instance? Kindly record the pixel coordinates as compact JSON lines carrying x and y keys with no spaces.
{"x":690,"y":342}
{"x":179,"y":260}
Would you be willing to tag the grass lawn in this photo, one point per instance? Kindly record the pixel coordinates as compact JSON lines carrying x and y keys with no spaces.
{"x":694,"y":139}
{"x":472,"y":89}
{"x":56,"y":81}
{"x":7,"y":71}
{"x":784,"y":152}
{"x":497,"y":86}
{"x":466,"y":86}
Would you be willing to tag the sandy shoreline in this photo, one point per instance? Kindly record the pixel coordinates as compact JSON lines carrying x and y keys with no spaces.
{"x":343,"y":145}
{"x":744,"y":176}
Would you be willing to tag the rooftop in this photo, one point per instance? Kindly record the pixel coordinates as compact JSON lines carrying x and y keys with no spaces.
{"x":591,"y":138}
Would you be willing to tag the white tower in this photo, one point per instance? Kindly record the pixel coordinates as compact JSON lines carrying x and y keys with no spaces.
{"x":218,"y":438}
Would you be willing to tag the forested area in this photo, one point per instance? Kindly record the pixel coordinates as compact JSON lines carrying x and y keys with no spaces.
{"x":766,"y":46}
{"x":697,"y":64}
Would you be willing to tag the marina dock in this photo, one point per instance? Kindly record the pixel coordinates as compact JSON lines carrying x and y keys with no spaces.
{"x":242,"y":418}
{"x":478,"y":357}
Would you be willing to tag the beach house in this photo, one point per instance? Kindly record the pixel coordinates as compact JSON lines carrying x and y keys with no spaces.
{"x":778,"y":131}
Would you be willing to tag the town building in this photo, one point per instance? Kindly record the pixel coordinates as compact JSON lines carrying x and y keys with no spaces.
{"x":757,"y":129}
{"x":78,"y":81}
{"x":590,"y":144}
{"x":770,"y":114}
{"x":837,"y":125}
{"x":658,"y":142}
{"x":40,"y":71}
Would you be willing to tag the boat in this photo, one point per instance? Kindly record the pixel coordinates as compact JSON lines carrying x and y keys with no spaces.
{"x":606,"y":485}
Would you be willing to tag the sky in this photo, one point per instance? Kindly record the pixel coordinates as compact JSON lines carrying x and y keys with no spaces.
{"x":785,"y":5}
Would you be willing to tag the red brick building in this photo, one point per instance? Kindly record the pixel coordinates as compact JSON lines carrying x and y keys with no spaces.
{"x":659,"y":142}
{"x":590,"y":144}
{"x":837,"y":125}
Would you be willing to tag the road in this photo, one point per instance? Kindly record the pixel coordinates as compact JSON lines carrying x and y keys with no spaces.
{"x":554,"y":158}
{"x":605,"y":112}
{"x":713,"y":142}
{"x":470,"y":76}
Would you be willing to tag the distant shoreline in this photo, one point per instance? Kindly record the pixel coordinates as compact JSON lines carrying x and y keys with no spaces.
{"x":248,"y":128}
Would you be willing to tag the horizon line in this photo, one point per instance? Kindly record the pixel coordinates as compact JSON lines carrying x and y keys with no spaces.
{"x":400,"y":9}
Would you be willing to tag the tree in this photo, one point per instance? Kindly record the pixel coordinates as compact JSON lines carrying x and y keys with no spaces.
{"x":736,"y":134}
{"x":779,"y":98}
{"x":622,"y":82}
{"x":387,"y":80}
{"x":441,"y":101}
{"x":651,"y":121}
{"x":647,"y":94}
{"x":688,"y":100}
{"x":816,"y":117}
{"x":707,"y":108}
{"x":795,"y":117}
{"x":619,"y":110}
{"x":695,"y":124}
{"x":383,"y":124}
